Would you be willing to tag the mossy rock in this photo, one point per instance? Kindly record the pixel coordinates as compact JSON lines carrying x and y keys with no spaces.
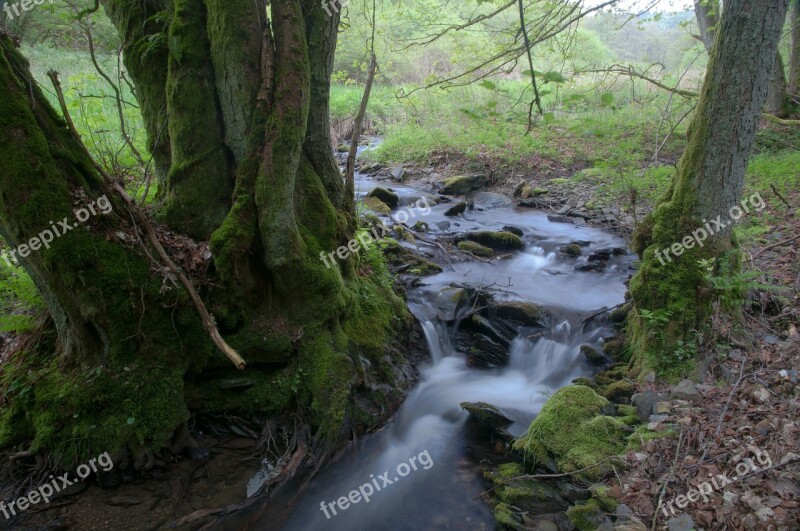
{"x":591,"y":354}
{"x":572,"y":431}
{"x":587,"y":516}
{"x":376,"y":205}
{"x":619,"y":392}
{"x":421,"y":226}
{"x":529,"y":495}
{"x":572,"y":249}
{"x":585,"y":381}
{"x":499,"y":241}
{"x":463,"y":184}
{"x":521,"y":313}
{"x":457,"y":209}
{"x":389,"y":198}
{"x":475,"y":248}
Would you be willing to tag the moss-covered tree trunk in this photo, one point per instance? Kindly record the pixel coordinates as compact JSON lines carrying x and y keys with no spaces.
{"x":670,"y":292}
{"x":235,"y":100}
{"x":794,"y":54}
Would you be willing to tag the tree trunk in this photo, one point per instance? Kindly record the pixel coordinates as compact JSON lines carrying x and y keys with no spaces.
{"x":707,"y":14}
{"x":794,"y":57}
{"x":670,"y":292}
{"x":777,"y":97}
{"x":242,"y":142}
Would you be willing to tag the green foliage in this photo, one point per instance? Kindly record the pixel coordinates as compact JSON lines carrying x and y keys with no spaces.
{"x":20,"y":300}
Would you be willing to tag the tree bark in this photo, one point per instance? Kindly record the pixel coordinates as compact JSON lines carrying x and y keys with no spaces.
{"x":777,"y":97}
{"x":242,"y":142}
{"x":794,"y":56}
{"x":707,"y":13}
{"x":673,"y":298}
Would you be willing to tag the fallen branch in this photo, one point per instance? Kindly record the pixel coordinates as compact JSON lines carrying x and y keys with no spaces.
{"x":784,"y":242}
{"x":777,"y":193}
{"x":565,"y":474}
{"x":208,"y":320}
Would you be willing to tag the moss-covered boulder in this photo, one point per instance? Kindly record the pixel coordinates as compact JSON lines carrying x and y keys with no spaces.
{"x":572,"y":431}
{"x":499,"y":241}
{"x":587,"y":516}
{"x":463,"y":184}
{"x":593,"y":355}
{"x":376,"y":205}
{"x":457,"y":209}
{"x":475,"y":248}
{"x":389,"y":198}
{"x":520,"y":313}
{"x":573,"y":249}
{"x":619,"y":392}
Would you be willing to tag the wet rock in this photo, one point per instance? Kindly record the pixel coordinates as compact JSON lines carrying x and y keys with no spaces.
{"x":606,"y":254}
{"x":490,"y":417}
{"x":463,"y":184}
{"x":486,"y":353}
{"x":475,"y":248}
{"x":571,"y":250}
{"x":388,"y":198}
{"x":499,"y":241}
{"x":491,"y":200}
{"x":594,"y":266}
{"x":554,"y":218}
{"x":421,"y":226}
{"x":579,"y":214}
{"x":450,"y":302}
{"x":520,"y":313}
{"x":460,"y":208}
{"x":593,"y":355}
{"x":443,"y":225}
{"x":686,"y":390}
{"x":572,"y":492}
{"x":533,"y":203}
{"x":581,"y":243}
{"x":513,"y":230}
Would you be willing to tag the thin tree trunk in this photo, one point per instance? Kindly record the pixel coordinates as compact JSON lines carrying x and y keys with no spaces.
{"x":709,"y":181}
{"x":794,"y":58}
{"x":707,"y":13}
{"x":777,"y":98}
{"x":357,"y":125}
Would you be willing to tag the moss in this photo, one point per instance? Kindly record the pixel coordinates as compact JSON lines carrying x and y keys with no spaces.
{"x":463,"y":184}
{"x":572,"y":249}
{"x":619,"y":391}
{"x":386,"y":197}
{"x":505,"y":516}
{"x":499,"y":241}
{"x":376,"y":205}
{"x":641,"y":435}
{"x":628,"y":414}
{"x":269,"y":392}
{"x":570,"y":431}
{"x":586,"y":516}
{"x":475,"y":248}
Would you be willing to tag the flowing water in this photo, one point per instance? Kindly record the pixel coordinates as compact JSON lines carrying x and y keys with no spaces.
{"x":437,"y":489}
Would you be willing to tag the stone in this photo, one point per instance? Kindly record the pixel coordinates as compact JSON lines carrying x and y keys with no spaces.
{"x":499,"y":241}
{"x":377,"y":206}
{"x":387,"y":197}
{"x":571,"y":250}
{"x":463,"y":185}
{"x":513,"y":230}
{"x":686,"y":390}
{"x":683,"y":522}
{"x":449,"y":303}
{"x":475,"y":248}
{"x":460,"y":208}
{"x":644,"y":403}
{"x":398,"y":174}
{"x":761,"y":395}
{"x":490,"y":200}
{"x":443,"y":225}
{"x":487,"y":414}
{"x":663,"y":408}
{"x":553,"y":218}
{"x":594,"y":356}
{"x":595,"y":265}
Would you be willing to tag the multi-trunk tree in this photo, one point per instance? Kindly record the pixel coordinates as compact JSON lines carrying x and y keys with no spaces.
{"x":673,"y":296}
{"x":235,"y":99}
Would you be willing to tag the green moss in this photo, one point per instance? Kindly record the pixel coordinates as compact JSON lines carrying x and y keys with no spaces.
{"x":499,"y":241}
{"x":571,"y":431}
{"x":638,"y":439}
{"x":619,"y":392}
{"x":376,"y":205}
{"x":269,"y":392}
{"x":586,"y":516}
{"x":475,"y":248}
{"x":505,"y":516}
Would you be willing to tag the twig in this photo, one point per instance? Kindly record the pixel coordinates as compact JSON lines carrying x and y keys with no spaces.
{"x":565,"y":474}
{"x":776,"y":192}
{"x":784,"y":242}
{"x":208,"y":320}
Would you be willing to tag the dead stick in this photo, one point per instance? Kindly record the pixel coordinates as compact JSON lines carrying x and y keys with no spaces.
{"x":784,"y":242}
{"x":776,"y":192}
{"x":208,"y":320}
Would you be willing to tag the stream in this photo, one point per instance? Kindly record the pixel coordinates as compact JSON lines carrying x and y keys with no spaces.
{"x":437,"y":488}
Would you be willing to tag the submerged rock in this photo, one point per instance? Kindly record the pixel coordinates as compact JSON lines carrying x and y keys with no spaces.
{"x":520,"y":313}
{"x":463,"y":185}
{"x":489,"y":416}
